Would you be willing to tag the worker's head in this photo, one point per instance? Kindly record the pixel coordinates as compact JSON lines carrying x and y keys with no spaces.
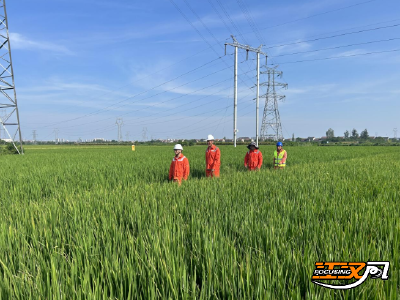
{"x":178,"y":149}
{"x":252,"y":146}
{"x":279,"y":145}
{"x":210,"y":140}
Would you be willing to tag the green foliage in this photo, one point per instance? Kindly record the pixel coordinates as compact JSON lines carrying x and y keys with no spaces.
{"x":8,"y":148}
{"x":102,"y":222}
{"x":354,"y":134}
{"x":330,"y":134}
{"x":364,"y":134}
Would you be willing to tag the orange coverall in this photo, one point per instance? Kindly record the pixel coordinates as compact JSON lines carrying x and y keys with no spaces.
{"x":179,"y":168}
{"x":213,"y":161}
{"x":253,"y":160}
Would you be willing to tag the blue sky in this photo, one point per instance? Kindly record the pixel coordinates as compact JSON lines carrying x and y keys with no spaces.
{"x":160,"y":66}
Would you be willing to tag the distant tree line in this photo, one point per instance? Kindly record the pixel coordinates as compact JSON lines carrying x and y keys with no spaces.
{"x":330,"y":134}
{"x":355,"y":137}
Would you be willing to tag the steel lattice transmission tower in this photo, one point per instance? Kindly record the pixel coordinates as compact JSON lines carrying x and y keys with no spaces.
{"x":8,"y":96}
{"x":119,"y":123}
{"x":271,"y":127}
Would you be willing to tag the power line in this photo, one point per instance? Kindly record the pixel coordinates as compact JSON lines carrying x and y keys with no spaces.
{"x":191,"y":108}
{"x":220,"y":17}
{"x":152,"y":96}
{"x":334,"y":57}
{"x":250,"y":20}
{"x":191,"y":24}
{"x":352,"y":28}
{"x":141,"y":93}
{"x":333,"y":36}
{"x":107,"y":128}
{"x":355,"y":55}
{"x":126,"y":99}
{"x":231,"y":21}
{"x":210,"y":46}
{"x":201,"y":21}
{"x":318,"y":14}
{"x":102,"y":120}
{"x":338,"y":47}
{"x":211,"y":126}
{"x":174,"y":108}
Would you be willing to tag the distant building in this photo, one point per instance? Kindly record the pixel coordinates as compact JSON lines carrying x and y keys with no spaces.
{"x":244,"y":139}
{"x":98,"y":140}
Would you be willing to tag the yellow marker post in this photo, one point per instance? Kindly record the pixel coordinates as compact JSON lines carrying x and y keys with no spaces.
{"x":133,"y":147}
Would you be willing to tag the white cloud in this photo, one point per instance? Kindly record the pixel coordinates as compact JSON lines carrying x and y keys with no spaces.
{"x":18,"y":41}
{"x":350,"y":52}
{"x":292,"y":48}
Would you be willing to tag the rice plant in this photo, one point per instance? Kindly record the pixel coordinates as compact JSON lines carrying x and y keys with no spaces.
{"x":104,"y":223}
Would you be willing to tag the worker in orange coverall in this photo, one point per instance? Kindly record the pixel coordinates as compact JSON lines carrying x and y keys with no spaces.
{"x":213,"y":158}
{"x":253,"y":159}
{"x":179,"y":168}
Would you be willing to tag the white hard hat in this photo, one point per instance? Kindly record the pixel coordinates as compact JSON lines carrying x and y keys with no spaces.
{"x":210,"y":138}
{"x":178,"y":147}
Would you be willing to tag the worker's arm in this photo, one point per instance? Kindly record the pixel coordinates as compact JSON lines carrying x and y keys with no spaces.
{"x":186,"y":169}
{"x":246,"y":158}
{"x":217,"y":158}
{"x":284,"y":158}
{"x":260,"y":159}
{"x":207,"y":162}
{"x":217,"y":161}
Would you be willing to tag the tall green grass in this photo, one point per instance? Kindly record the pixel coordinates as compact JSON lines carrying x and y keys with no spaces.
{"x":104,"y":223}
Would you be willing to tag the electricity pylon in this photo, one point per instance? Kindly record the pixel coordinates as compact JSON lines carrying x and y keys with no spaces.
{"x":8,"y":96}
{"x":144,"y":134}
{"x":34,"y":136}
{"x":119,"y":123}
{"x":271,"y":127}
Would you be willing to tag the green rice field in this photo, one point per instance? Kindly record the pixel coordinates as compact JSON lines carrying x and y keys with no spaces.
{"x":102,"y":222}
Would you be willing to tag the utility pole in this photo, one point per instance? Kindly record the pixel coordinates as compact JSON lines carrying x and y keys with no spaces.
{"x":271,"y":127}
{"x":257,"y":95}
{"x":248,"y":49}
{"x":395,"y":133}
{"x":127,"y":136}
{"x":119,"y":122}
{"x":34,"y":135}
{"x":10,"y":122}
